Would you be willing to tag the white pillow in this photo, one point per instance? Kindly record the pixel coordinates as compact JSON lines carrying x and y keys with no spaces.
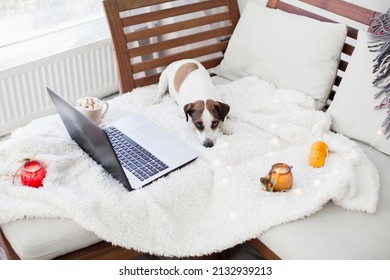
{"x":352,"y":110}
{"x":291,"y":51}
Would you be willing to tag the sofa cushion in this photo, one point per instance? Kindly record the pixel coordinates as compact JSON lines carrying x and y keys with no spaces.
{"x":46,"y":238}
{"x":354,"y":102}
{"x":291,"y":51}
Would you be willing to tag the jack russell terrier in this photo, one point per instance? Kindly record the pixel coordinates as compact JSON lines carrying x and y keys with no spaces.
{"x":189,"y":84}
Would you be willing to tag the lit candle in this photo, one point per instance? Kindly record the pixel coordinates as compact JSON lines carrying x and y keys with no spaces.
{"x":281,"y":174}
{"x":33,"y":174}
{"x":282,"y":169}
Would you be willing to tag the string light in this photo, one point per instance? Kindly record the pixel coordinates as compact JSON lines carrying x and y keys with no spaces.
{"x":298,"y":191}
{"x":317,"y":182}
{"x":379,"y":132}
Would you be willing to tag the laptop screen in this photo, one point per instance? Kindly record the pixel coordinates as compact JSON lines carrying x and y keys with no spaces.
{"x":90,"y":137}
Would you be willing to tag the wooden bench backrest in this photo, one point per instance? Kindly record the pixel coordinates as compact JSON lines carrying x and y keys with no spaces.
{"x":143,"y":34}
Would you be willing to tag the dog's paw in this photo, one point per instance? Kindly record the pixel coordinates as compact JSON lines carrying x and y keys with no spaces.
{"x":158,"y":99}
{"x":226,"y":130}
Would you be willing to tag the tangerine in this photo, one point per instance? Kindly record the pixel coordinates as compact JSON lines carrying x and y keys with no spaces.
{"x":319,"y":146}
{"x":317,"y":159}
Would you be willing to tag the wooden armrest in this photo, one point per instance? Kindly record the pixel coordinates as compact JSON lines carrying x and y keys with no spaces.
{"x":6,"y":249}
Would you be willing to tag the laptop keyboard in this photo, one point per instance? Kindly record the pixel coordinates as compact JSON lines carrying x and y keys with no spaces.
{"x":141,"y":163}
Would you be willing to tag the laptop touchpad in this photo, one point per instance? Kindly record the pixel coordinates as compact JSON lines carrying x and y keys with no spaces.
{"x":148,"y":134}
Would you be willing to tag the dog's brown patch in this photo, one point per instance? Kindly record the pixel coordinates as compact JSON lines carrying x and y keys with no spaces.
{"x":194,"y":110}
{"x":217,"y":109}
{"x":210,"y":106}
{"x":182,"y":73}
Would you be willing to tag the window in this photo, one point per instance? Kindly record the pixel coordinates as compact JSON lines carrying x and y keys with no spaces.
{"x":21,"y":20}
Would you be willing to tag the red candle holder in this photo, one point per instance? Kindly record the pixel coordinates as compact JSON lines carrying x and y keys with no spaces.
{"x":33,"y":173}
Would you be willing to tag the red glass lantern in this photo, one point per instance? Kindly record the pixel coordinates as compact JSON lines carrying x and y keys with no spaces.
{"x":33,"y":173}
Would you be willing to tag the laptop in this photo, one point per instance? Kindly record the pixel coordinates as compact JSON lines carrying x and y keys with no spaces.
{"x":133,"y":150}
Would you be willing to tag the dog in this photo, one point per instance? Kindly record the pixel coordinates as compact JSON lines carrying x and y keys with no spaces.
{"x":189,"y":84}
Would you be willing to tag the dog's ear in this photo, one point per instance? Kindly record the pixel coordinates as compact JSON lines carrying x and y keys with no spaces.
{"x":188,"y":110}
{"x":222,"y":109}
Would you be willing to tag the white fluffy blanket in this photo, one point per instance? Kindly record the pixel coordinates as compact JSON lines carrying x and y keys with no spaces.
{"x":209,"y":205}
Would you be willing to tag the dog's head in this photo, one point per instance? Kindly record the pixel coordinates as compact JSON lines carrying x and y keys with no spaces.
{"x":207,"y":117}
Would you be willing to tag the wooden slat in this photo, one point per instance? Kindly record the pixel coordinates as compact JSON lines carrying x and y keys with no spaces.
{"x":267,"y":253}
{"x":337,"y":81}
{"x":298,"y":11}
{"x":168,"y":44}
{"x":351,"y":31}
{"x":171,"y":12}
{"x":152,"y":79}
{"x":163,"y":61}
{"x":343,"y":65}
{"x":102,"y":251}
{"x":173,"y":27}
{"x":234,"y":12}
{"x":344,"y":9}
{"x":331,"y":95}
{"x":124,"y":5}
{"x":212,"y":62}
{"x":348,"y":49}
{"x":120,"y":45}
{"x":148,"y":80}
{"x":272,"y":4}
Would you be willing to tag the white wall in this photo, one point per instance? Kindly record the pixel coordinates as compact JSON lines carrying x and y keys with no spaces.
{"x":376,"y":5}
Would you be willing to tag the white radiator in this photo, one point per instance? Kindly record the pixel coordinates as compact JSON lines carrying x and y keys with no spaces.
{"x":86,"y":71}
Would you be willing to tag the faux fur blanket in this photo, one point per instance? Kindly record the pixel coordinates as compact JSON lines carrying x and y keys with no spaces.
{"x":209,"y":205}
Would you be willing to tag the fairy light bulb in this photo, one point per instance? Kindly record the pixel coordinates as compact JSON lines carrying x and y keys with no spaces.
{"x":232,"y":215}
{"x":379,"y":131}
{"x":298,"y":191}
{"x":317,"y":182}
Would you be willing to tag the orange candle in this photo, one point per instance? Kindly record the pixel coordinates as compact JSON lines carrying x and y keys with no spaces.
{"x":281,"y":174}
